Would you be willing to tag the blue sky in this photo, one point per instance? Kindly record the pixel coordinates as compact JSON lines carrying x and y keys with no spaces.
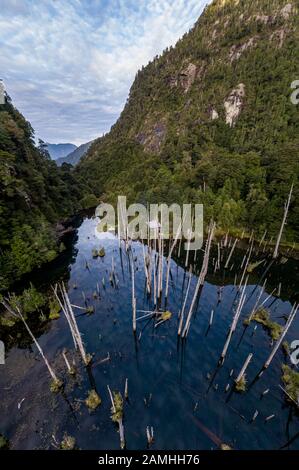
{"x":68,"y":64}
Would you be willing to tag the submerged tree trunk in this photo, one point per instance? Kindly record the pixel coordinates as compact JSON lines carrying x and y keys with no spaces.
{"x":19,"y":314}
{"x":279,"y":341}
{"x":133,"y":295}
{"x":201,"y":277}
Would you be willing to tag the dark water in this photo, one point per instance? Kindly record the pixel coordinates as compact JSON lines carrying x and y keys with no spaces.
{"x":175,"y":388}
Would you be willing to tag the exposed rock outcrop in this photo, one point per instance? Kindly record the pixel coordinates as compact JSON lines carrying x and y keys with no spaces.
{"x":286,"y":11}
{"x":279,"y":35}
{"x":214,"y":114}
{"x":265,"y":19}
{"x":233,"y":104}
{"x":237,"y":50}
{"x":172,"y":81}
{"x":187,"y":77}
{"x":152,"y":137}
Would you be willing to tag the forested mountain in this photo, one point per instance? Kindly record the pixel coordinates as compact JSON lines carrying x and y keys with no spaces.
{"x":74,"y":157}
{"x":60,"y":150}
{"x":34,"y":194}
{"x":211,"y":121}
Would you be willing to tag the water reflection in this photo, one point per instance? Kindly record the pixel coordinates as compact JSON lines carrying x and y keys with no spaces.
{"x":175,"y":386}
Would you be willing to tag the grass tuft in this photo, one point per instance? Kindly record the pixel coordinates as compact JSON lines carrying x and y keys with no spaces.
{"x":93,"y":400}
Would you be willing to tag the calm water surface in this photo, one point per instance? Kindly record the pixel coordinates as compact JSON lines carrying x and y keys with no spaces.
{"x":174,"y":387}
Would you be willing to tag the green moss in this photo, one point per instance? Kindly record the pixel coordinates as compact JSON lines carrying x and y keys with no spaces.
{"x":93,"y":400}
{"x":7,"y":322}
{"x":275,"y":330}
{"x":290,"y":379}
{"x":224,"y":446}
{"x":54,"y":316}
{"x":241,"y":385}
{"x":262,"y":316}
{"x":286,"y":347}
{"x":68,"y":443}
{"x":88,"y":358}
{"x":29,"y":301}
{"x":252,"y":266}
{"x":165,"y":315}
{"x":72,"y":371}
{"x":56,"y":386}
{"x":117,"y":410}
{"x":54,"y":309}
{"x":90,"y":310}
{"x":4,"y":444}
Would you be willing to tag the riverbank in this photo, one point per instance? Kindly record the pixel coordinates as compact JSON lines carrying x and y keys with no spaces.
{"x":287,"y":249}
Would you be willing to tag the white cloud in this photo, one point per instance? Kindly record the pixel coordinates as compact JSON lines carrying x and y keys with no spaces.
{"x":68,"y":65}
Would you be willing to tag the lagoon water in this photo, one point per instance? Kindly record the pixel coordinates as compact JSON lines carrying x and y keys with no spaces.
{"x":176,"y":387}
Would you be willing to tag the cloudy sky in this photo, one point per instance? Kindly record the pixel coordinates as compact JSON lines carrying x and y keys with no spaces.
{"x":68,"y":64}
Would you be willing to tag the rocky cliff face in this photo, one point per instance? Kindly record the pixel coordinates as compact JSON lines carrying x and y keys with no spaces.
{"x":233,"y":104}
{"x":223,"y":89}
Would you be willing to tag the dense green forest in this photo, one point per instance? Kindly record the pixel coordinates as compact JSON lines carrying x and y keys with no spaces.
{"x":34,"y":195}
{"x":211,"y":121}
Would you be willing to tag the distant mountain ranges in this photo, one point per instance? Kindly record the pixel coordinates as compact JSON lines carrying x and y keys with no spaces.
{"x":67,"y":153}
{"x":73,"y":157}
{"x":60,"y":150}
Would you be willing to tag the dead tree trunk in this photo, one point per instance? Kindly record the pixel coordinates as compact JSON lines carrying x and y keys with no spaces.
{"x":201,"y":277}
{"x":169,"y":259}
{"x":284,"y":332}
{"x":231,"y":252}
{"x":234,"y":322}
{"x":184,"y":304}
{"x":69,"y":314}
{"x":133,"y":295}
{"x":17,"y":313}
{"x":286,"y":209}
{"x":243,"y":370}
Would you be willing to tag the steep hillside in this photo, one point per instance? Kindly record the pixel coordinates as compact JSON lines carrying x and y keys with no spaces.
{"x":74,"y":157}
{"x":211,"y":121}
{"x":34,"y":194}
{"x":60,"y":150}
